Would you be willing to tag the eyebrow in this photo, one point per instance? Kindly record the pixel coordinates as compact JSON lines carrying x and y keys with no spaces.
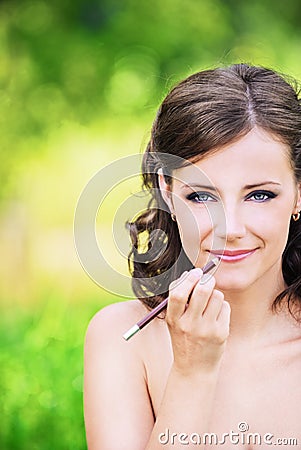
{"x":246,"y":187}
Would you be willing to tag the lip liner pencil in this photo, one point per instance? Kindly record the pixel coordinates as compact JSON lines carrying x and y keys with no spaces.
{"x":154,"y":312}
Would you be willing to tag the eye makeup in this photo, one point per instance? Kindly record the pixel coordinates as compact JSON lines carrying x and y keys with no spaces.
{"x":259,"y":196}
{"x":268,"y":194}
{"x":198,"y":197}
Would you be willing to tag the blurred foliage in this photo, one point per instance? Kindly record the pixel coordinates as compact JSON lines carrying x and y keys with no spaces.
{"x":41,"y":384}
{"x":64,"y":61}
{"x":41,"y":361}
{"x":80,"y":82}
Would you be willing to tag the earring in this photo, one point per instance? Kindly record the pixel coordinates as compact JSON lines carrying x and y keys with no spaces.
{"x":173,"y":217}
{"x":296,"y":216}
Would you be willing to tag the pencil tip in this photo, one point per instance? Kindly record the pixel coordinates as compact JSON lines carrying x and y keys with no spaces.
{"x":216,"y":260}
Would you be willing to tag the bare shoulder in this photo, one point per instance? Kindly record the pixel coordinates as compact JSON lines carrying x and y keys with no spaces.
{"x":116,"y":318}
{"x":115,"y":381}
{"x":106,"y":329}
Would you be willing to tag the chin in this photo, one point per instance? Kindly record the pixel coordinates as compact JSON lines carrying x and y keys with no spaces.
{"x":231,"y":284}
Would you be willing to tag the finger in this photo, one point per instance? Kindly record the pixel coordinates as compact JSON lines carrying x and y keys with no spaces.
{"x":214,"y":306}
{"x":225,"y":313}
{"x":200,"y":297}
{"x":183,"y":276}
{"x":176,"y":282}
{"x":179,"y":294}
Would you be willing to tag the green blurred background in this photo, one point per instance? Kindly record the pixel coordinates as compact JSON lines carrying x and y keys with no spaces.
{"x":80,"y":83}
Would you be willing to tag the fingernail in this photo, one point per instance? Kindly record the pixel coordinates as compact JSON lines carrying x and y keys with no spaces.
{"x":196,"y":273}
{"x":205,"y":278}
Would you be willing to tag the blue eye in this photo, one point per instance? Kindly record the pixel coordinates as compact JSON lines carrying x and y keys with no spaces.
{"x":261,"y":196}
{"x":200,"y":197}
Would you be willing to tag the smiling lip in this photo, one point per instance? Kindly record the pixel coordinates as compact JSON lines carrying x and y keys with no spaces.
{"x":232,"y":255}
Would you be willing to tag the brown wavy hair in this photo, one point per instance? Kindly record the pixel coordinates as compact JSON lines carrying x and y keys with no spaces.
{"x":207,"y":110}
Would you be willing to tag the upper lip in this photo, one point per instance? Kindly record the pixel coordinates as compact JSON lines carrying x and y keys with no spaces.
{"x":231,"y":252}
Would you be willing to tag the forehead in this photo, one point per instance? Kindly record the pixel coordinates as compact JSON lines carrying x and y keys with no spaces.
{"x":255,"y":156}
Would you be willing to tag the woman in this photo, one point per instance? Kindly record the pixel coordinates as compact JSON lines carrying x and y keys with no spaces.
{"x":202,"y":377}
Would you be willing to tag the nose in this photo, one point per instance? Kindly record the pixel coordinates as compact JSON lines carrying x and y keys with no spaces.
{"x":233,"y":226}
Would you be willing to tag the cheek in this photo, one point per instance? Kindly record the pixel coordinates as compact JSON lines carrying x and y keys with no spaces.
{"x":274,"y":217}
{"x":272,"y":228}
{"x":195,"y":228}
{"x":278,"y":234}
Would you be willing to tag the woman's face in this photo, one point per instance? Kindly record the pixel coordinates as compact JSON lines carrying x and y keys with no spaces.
{"x":244,"y":215}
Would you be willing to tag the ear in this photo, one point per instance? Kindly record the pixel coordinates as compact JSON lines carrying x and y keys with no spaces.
{"x":298,"y":199}
{"x":165,"y":190}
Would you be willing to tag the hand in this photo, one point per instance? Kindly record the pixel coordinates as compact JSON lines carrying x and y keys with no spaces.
{"x":198,"y":329}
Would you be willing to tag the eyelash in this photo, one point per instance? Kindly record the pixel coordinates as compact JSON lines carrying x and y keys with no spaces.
{"x":195,"y":196}
{"x":270,"y":195}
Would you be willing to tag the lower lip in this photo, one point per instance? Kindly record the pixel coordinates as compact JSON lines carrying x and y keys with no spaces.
{"x":235,"y":258}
